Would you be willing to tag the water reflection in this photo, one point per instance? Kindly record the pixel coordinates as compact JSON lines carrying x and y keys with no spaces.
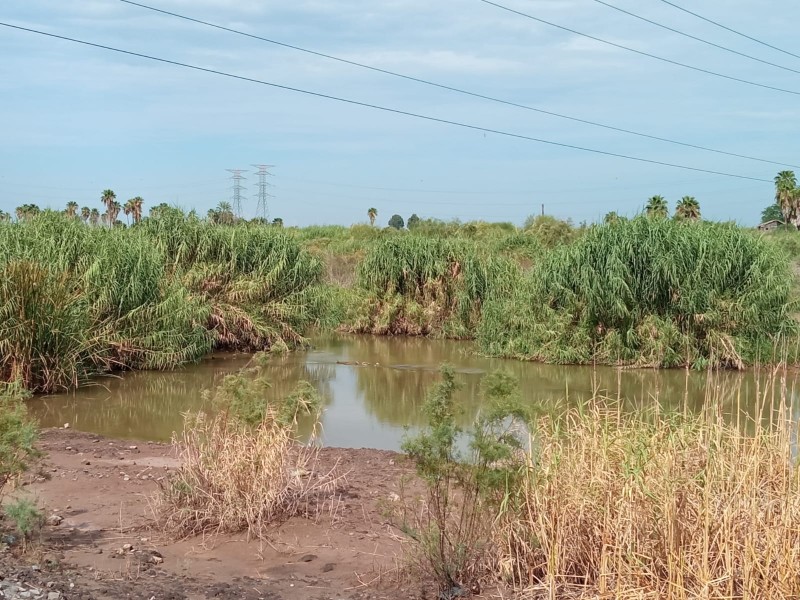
{"x":374,"y":389}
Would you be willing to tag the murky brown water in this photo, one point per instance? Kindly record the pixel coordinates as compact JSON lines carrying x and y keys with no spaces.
{"x":372,"y":405}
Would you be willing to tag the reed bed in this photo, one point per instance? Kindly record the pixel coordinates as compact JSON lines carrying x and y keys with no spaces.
{"x":599,"y":502}
{"x":649,"y":292}
{"x":78,"y":300}
{"x":415,"y":285}
{"x":616,"y":505}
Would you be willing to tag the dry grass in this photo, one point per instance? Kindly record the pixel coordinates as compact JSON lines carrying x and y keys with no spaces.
{"x":235,"y":477}
{"x":615,"y":505}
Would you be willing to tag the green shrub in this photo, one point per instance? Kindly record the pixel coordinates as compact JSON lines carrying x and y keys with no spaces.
{"x":650,"y":292}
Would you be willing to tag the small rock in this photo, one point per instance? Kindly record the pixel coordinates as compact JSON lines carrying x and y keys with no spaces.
{"x":394,"y":497}
{"x":126,"y":479}
{"x":127,"y":547}
{"x":55,"y":520}
{"x":133,"y":447}
{"x":54,"y":596}
{"x":68,"y":448}
{"x":87,"y":463}
{"x":328,"y":567}
{"x":156,"y":560}
{"x":66,"y":425}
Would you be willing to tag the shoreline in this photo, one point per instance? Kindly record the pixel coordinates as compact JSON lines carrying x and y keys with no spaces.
{"x":99,"y":541}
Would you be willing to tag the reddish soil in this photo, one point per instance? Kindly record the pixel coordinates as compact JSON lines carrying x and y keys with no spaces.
{"x":106,"y":546}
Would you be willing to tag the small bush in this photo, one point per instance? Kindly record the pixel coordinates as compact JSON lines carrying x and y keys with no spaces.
{"x":17,"y":435}
{"x":26,"y":517}
{"x":242,"y":469}
{"x":454,"y":540}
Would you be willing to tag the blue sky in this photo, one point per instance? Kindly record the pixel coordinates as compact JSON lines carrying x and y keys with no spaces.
{"x":76,"y":120}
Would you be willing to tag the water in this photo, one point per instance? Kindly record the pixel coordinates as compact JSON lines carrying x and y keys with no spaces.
{"x":378,"y":394}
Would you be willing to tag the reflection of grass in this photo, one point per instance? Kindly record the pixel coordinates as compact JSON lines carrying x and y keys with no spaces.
{"x":149,"y":404}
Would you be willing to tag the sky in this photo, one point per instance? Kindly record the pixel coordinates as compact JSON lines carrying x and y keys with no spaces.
{"x":75,"y":120}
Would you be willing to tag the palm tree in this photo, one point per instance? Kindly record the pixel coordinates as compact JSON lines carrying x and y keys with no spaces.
{"x":611,"y":217}
{"x":94,"y":217}
{"x":138,"y":201}
{"x":372,"y":213}
{"x":27,"y":211}
{"x":688,"y":208}
{"x":128,"y":209}
{"x":786,"y":195}
{"x":4,"y":216}
{"x":85,"y":214}
{"x":107,"y":199}
{"x":113,"y":212}
{"x":72,"y":210}
{"x":657,"y":207}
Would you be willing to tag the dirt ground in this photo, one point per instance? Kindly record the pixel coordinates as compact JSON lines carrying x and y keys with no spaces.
{"x":100,"y":542}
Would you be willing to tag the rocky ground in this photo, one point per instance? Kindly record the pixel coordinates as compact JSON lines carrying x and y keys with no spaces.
{"x":99,"y":541}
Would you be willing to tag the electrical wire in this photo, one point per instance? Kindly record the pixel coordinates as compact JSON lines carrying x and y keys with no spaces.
{"x":641,"y":52}
{"x":455,"y":89}
{"x":384,"y":108}
{"x":696,"y":38}
{"x":726,"y":28}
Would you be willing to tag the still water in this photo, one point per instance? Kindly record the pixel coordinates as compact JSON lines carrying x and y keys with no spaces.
{"x":374,"y":388}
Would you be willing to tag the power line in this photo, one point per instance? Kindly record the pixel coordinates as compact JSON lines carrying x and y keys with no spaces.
{"x":386,"y":109}
{"x":641,"y":52}
{"x":457,"y":90}
{"x":694,"y":37}
{"x":726,"y":28}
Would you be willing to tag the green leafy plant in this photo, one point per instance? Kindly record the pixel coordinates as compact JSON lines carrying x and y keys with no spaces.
{"x":17,"y":435}
{"x":26,"y":517}
{"x":464,"y":487}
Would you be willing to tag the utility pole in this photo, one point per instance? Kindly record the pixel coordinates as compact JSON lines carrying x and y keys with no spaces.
{"x":262,"y":208}
{"x":237,"y":190}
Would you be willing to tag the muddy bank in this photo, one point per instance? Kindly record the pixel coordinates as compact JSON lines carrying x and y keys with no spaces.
{"x":100,"y":542}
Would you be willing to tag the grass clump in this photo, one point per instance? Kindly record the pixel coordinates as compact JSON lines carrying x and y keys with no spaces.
{"x":648,"y":292}
{"x":615,"y":505}
{"x":77,"y":300}
{"x":243,"y":468}
{"x":414,"y":285}
{"x":18,"y":435}
{"x":26,"y":518}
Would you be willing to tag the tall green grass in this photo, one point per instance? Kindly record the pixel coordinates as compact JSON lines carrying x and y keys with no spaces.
{"x":417,"y":285}
{"x":649,"y":292}
{"x":78,"y":300}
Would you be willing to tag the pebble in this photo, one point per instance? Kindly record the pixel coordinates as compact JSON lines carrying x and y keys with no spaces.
{"x":66,"y":425}
{"x":54,"y":520}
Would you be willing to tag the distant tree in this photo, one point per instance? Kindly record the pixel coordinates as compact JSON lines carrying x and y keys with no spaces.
{"x":85,"y":214}
{"x":688,"y":208}
{"x":550,"y":232}
{"x":4,"y":216}
{"x":72,"y":210}
{"x":222,"y":214}
{"x":396,"y":222}
{"x":107,"y":198}
{"x":772,"y":213}
{"x":127,"y":208}
{"x":413,"y":221}
{"x":27,"y":211}
{"x":787,"y":196}
{"x":277,"y":222}
{"x":611,"y":217}
{"x":112,"y":212}
{"x":657,"y":207}
{"x":160,"y":210}
{"x":94,"y":217}
{"x":372,"y":213}
{"x":137,"y":207}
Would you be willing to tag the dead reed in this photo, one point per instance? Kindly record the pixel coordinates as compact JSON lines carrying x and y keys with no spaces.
{"x":616,"y":505}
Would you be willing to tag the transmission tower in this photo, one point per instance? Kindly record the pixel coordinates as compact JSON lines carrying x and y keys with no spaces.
{"x":262,"y":209}
{"x":236,"y":201}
